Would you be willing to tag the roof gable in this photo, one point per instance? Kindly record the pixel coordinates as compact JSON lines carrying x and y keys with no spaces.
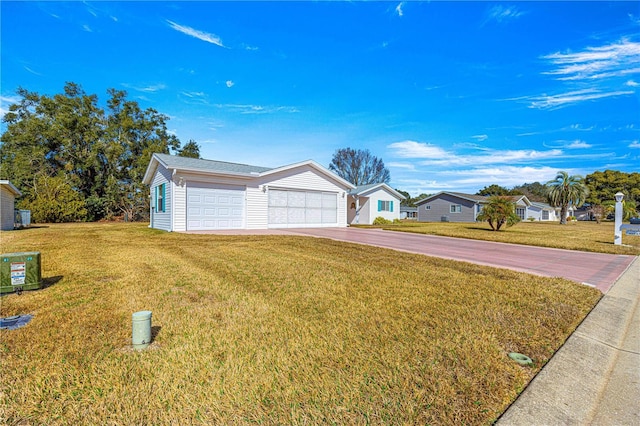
{"x":368,"y":189}
{"x":480,"y":199}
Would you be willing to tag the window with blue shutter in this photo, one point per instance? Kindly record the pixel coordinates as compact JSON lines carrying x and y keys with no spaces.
{"x":391,"y":206}
{"x":379,"y":205}
{"x":160,"y":198}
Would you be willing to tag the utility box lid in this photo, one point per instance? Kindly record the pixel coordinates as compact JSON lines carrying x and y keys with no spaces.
{"x":20,"y":271}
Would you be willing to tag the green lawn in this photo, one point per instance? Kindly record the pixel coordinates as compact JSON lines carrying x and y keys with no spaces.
{"x":269,"y":330}
{"x":581,"y":235}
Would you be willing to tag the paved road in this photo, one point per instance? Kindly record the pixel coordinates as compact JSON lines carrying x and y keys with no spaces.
{"x":595,"y":269}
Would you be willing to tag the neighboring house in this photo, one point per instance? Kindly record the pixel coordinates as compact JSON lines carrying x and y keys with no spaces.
{"x":8,"y":194}
{"x":450,"y":207}
{"x":190,"y":194}
{"x":408,"y":212}
{"x":542,"y":212}
{"x":459,"y":207}
{"x":367,"y":202}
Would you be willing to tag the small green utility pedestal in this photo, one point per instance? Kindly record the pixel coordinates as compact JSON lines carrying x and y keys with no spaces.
{"x":141,"y":329}
{"x":20,"y":271}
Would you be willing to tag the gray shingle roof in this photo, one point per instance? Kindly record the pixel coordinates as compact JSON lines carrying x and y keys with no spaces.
{"x":175,"y":162}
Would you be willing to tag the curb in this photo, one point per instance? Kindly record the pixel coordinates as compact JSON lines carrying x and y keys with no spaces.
{"x":593,"y":378}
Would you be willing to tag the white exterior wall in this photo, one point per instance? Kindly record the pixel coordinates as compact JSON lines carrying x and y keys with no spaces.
{"x":7,"y":207}
{"x":162,"y":220}
{"x":381,"y":195}
{"x":305,"y":178}
{"x":179,"y":204}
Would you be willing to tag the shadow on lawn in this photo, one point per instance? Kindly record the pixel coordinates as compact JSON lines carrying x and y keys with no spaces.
{"x":48,"y":282}
{"x":155,"y":330}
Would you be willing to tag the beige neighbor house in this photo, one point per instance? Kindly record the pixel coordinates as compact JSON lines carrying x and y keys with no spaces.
{"x":190,"y":194}
{"x":459,"y":207}
{"x":367,"y":202}
{"x":8,"y":194}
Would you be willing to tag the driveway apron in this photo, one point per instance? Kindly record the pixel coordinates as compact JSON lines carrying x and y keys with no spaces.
{"x":595,"y":269}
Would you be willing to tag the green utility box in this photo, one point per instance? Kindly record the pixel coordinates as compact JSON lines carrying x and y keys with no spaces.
{"x":20,"y":271}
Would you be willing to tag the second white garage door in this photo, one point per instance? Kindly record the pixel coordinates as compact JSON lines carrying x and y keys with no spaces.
{"x":288,"y":208}
{"x":214,"y":207}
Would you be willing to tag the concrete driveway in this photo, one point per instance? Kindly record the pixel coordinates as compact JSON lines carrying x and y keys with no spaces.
{"x":595,"y":269}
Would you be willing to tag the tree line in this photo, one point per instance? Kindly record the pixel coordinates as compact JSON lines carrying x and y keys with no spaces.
{"x":75,"y":161}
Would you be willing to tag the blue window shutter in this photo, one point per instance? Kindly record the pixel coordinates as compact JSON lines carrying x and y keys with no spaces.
{"x":391,"y":206}
{"x":164,"y":193}
{"x":156,"y":198}
{"x":379,"y":205}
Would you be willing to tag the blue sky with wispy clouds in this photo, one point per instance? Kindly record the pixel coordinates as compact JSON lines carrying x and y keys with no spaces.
{"x":451,"y":95}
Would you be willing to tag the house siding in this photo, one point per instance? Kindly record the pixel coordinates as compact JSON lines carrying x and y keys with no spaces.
{"x":307,"y":180}
{"x":162,"y":220}
{"x":441,"y":207}
{"x":382,"y":195}
{"x":7,"y":208}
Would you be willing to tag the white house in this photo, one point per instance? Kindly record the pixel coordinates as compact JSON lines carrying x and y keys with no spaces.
{"x":8,"y":194}
{"x":367,"y":202}
{"x":190,"y":194}
{"x":542,"y":212}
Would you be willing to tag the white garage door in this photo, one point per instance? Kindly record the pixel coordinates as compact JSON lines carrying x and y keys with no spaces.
{"x":214,"y":207}
{"x":288,"y":208}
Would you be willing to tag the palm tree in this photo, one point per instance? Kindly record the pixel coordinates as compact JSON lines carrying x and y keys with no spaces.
{"x":499,"y":210}
{"x":565,"y":190}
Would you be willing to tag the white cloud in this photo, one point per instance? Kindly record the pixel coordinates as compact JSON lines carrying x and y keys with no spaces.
{"x":31,"y":71}
{"x":632,"y":83}
{"x":501,"y":13}
{"x":412,"y":149}
{"x":87,"y":28}
{"x":398,"y":165}
{"x":147,"y":89}
{"x":573,"y":97}
{"x":257,"y":109}
{"x":201,"y":35}
{"x":399,"y":11}
{"x":6,"y":101}
{"x":634,"y":144}
{"x":578,"y":144}
{"x":434,"y":155}
{"x":230,"y":83}
{"x":480,"y":138}
{"x":612,"y":60}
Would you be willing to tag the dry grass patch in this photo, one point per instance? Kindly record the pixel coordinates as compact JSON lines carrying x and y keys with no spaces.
{"x":270,"y":330}
{"x":582,"y":236}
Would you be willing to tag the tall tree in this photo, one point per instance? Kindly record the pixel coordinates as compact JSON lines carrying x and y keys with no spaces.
{"x":191,"y":149}
{"x":604,"y":185}
{"x":359,"y":167}
{"x":493,"y":190}
{"x":100,"y":156}
{"x":533,"y":191}
{"x":566,"y":190}
{"x":499,"y":211}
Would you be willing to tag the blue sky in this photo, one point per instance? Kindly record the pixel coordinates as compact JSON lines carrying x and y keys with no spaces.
{"x":451,"y":95}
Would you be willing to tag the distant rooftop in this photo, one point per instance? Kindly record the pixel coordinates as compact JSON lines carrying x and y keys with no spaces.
{"x":176,"y":162}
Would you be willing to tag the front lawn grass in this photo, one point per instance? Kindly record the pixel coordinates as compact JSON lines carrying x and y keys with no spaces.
{"x":269,"y":330}
{"x":580,"y":235}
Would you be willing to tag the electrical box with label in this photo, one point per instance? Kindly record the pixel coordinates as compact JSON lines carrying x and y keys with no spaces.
{"x":20,"y":271}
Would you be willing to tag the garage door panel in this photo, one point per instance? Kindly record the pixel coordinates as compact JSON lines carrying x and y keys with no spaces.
{"x":215,"y":207}
{"x":291,"y":208}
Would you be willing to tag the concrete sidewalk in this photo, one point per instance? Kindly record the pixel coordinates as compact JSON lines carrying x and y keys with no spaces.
{"x":594,"y":379}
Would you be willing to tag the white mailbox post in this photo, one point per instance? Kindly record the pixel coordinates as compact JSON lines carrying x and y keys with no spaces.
{"x":617,"y":237}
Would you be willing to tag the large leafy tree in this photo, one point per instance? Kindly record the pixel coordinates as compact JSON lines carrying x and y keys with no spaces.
{"x":68,"y":143}
{"x":499,"y":211}
{"x":604,"y":185}
{"x":359,"y":167}
{"x":494,"y":190}
{"x":566,"y":190}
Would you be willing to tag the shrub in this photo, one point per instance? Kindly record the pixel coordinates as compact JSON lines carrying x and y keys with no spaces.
{"x":381,"y":221}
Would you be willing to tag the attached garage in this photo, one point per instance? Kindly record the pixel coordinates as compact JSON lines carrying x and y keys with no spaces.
{"x":212,"y":207}
{"x":191,"y":194}
{"x":290,"y":208}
